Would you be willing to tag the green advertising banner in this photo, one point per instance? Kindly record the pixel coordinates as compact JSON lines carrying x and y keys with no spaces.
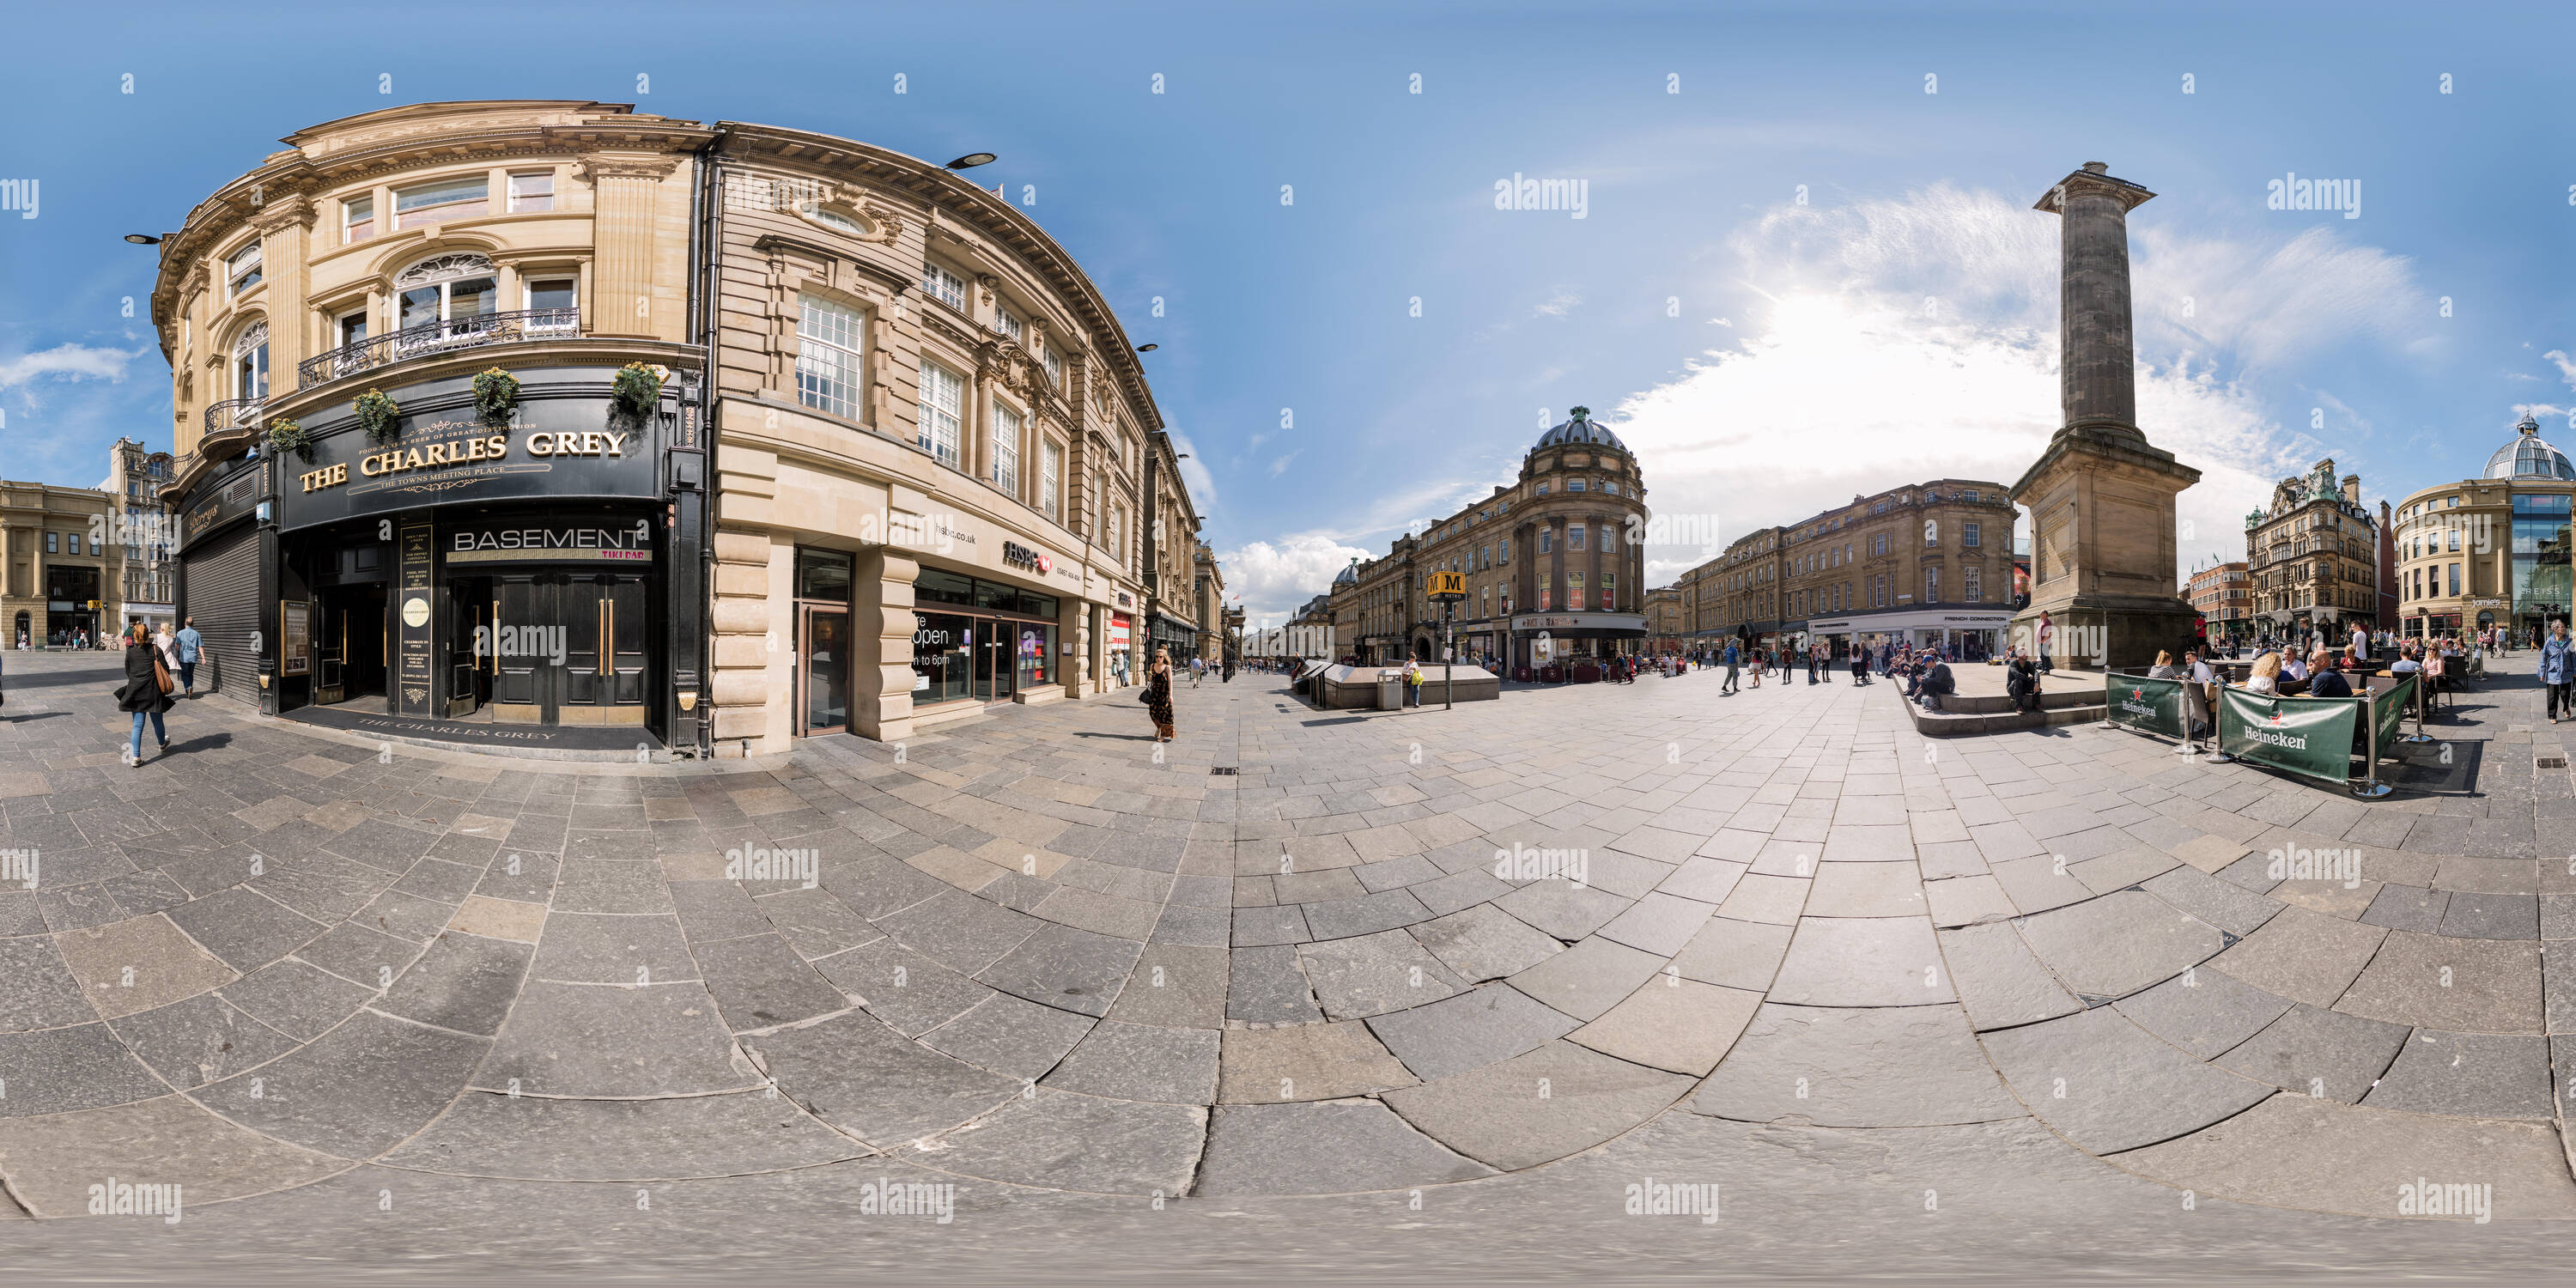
{"x":2308,"y":736}
{"x":2390,"y":708}
{"x":2141,"y":703}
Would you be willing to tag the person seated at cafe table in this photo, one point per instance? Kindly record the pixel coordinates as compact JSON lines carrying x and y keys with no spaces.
{"x":2324,"y":680}
{"x":2266,"y":675}
{"x":2164,"y":668}
{"x":2294,"y":671}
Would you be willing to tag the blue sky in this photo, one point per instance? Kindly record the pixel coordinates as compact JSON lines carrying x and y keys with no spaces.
{"x":1766,"y":355}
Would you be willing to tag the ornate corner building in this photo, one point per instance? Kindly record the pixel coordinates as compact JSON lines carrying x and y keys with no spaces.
{"x":2313,"y":555}
{"x":498,"y":420}
{"x":1554,"y":565}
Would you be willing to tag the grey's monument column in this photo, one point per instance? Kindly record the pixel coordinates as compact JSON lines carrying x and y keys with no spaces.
{"x":2101,"y":498}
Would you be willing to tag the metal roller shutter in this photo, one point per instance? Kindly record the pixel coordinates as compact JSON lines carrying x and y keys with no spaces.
{"x":223,"y":595}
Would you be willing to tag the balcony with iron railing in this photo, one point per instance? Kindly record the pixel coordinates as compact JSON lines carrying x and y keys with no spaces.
{"x":232,"y":414}
{"x":437,"y":339}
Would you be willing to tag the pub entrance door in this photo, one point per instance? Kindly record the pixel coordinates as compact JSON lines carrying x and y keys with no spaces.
{"x":574,"y":649}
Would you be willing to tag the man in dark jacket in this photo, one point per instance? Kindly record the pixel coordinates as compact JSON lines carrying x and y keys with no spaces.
{"x":2324,"y":681}
{"x":1936,"y":684}
{"x":2021,"y":681}
{"x":141,"y":693}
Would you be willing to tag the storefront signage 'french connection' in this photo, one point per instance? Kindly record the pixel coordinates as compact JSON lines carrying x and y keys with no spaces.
{"x":467,"y":451}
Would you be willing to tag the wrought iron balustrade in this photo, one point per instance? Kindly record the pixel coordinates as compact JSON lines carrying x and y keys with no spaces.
{"x":431,"y":339}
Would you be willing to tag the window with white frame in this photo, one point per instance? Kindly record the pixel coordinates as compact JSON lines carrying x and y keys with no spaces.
{"x":828,"y":356}
{"x":446,"y":288}
{"x":429,"y":203}
{"x":1054,"y":367}
{"x":555,"y":301}
{"x":250,"y":362}
{"x":834,"y":219}
{"x":1972,"y":584}
{"x":242,"y":271}
{"x":1932,"y":585}
{"x":357,"y":218}
{"x":1051,"y":481}
{"x":943,"y":397}
{"x":943,"y":286}
{"x":1008,"y":323}
{"x":1878,"y":544}
{"x":1931,"y":532}
{"x":1971,"y":535}
{"x":1006,"y":449}
{"x":532,"y":192}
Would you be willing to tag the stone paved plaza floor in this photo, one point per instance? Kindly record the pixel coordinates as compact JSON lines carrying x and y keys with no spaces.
{"x":1263,"y":1006}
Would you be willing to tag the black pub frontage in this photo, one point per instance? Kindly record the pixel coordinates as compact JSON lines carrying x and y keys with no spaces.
{"x":536,"y":580}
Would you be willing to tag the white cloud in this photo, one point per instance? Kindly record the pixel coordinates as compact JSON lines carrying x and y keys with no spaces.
{"x":1280,"y":466}
{"x":1558,"y":304}
{"x":1275,"y":578}
{"x":69,"y":361}
{"x":1194,"y":472}
{"x":1916,"y":338}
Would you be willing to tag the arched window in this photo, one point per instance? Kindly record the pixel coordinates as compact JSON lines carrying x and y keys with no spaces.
{"x":250,"y":362}
{"x":446,"y":288}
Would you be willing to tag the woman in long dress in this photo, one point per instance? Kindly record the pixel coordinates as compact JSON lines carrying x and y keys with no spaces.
{"x":1158,"y":695}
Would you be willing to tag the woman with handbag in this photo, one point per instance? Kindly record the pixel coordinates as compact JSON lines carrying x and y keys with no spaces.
{"x":146,"y":691}
{"x":1158,"y":695}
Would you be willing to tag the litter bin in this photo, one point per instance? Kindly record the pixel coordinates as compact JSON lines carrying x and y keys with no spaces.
{"x":1390,"y":689}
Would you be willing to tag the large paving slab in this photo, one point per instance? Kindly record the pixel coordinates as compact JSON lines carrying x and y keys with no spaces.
{"x":1914,"y":1066}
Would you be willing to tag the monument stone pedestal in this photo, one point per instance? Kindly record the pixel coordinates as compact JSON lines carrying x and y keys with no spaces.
{"x":2102,"y":549}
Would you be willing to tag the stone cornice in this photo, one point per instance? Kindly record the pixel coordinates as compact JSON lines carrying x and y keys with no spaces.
{"x":416,"y":136}
{"x":656,"y":166}
{"x":2088,"y":183}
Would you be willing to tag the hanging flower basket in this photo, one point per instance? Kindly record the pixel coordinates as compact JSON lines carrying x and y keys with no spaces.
{"x":496,"y":397}
{"x":638,"y":388}
{"x":379,"y":415}
{"x":286,"y":436}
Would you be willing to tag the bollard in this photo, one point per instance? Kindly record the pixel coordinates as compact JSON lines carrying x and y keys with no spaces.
{"x":2372,"y":788}
{"x":2217,"y":749}
{"x":2423,"y":696}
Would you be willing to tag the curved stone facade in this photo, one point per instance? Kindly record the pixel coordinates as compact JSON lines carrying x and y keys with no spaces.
{"x":837,"y":381}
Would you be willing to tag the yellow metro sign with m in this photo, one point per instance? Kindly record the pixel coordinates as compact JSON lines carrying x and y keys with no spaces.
{"x":1448,"y":587}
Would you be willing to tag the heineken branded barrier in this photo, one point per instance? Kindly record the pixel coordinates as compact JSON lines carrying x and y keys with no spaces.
{"x":2145,"y":704}
{"x":2316,"y":737}
{"x":2312,"y":737}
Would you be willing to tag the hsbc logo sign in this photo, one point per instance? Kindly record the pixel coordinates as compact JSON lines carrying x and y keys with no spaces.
{"x":1015,"y":553}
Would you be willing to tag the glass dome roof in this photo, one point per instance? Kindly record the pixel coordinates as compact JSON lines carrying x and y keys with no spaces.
{"x":2528,"y":457}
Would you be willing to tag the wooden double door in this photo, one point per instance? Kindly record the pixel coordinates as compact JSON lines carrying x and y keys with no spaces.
{"x":568,"y":648}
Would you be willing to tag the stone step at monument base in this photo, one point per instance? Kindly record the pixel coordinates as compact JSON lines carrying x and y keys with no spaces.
{"x":2057,"y":709}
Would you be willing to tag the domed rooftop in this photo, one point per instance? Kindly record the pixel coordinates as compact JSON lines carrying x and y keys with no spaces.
{"x":1581,"y":431}
{"x":2527,"y":457}
{"x":1348,"y":575}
